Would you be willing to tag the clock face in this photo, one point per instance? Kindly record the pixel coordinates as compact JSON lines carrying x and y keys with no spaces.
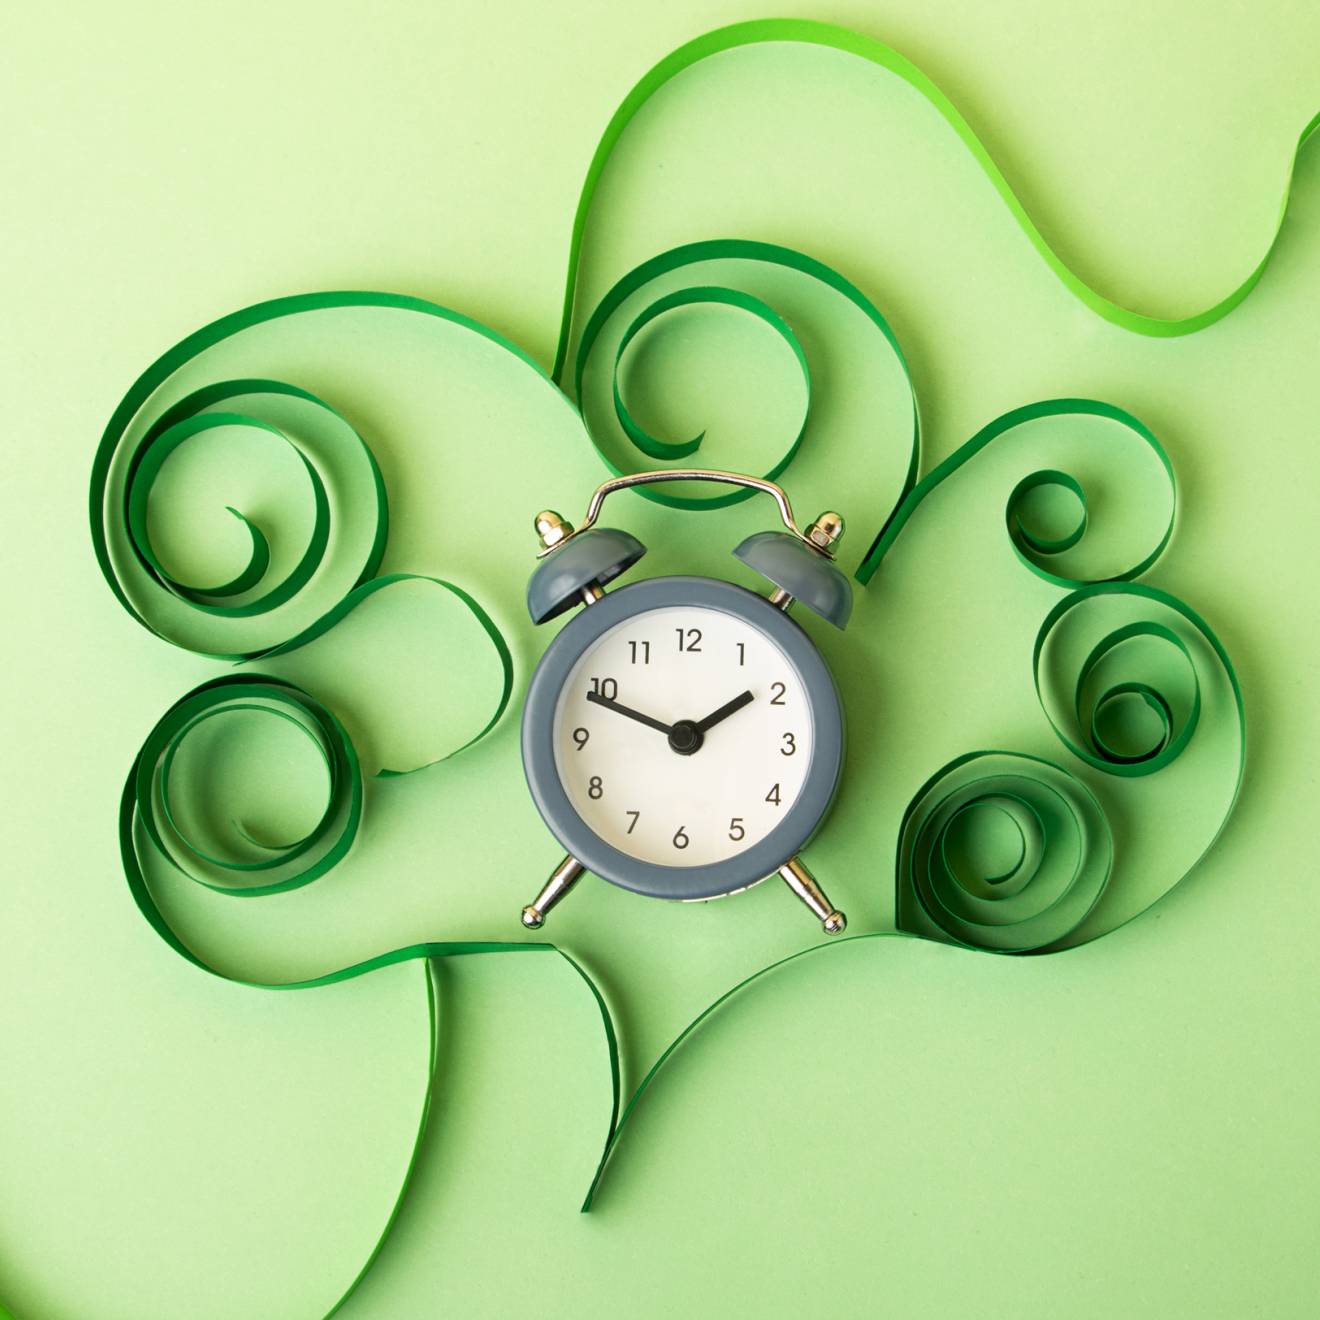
{"x":683,"y":735}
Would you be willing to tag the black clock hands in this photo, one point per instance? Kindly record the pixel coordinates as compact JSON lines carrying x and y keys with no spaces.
{"x":637,"y":715}
{"x":685,"y":736}
{"x":724,"y":711}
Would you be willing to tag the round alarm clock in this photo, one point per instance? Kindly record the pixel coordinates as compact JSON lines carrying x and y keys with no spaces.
{"x":682,"y":737}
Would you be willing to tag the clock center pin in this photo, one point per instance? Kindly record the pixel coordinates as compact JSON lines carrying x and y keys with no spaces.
{"x":685,"y":738}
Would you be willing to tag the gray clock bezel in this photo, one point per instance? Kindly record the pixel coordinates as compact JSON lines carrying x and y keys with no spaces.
{"x":714,"y":879}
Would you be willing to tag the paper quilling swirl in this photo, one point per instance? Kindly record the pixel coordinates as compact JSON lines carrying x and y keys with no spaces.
{"x":1000,"y":850}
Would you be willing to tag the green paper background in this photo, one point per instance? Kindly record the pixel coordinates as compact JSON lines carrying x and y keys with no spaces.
{"x":889,"y":1128}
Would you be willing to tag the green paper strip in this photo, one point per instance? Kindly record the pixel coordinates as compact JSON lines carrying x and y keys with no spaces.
{"x":148,"y":461}
{"x":1034,"y":552}
{"x":728,"y":249}
{"x":147,"y":816}
{"x":1049,"y":888}
{"x":702,"y":295}
{"x":142,"y":824}
{"x":808,"y":32}
{"x":194,"y":406}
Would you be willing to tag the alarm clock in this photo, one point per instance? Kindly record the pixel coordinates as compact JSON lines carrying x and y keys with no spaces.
{"x":683,"y":737}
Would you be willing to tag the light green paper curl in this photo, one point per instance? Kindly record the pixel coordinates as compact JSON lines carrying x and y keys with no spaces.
{"x":831,"y":36}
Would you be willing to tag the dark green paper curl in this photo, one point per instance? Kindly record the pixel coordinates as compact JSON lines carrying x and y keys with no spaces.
{"x":1046,"y":885}
{"x":674,"y":301}
{"x":145,"y":824}
{"x":1098,"y":690}
{"x":152,"y":456}
{"x":209,"y":409}
{"x":694,"y":297}
{"x":1043,"y":556}
{"x":284,"y":866}
{"x":1059,"y":873}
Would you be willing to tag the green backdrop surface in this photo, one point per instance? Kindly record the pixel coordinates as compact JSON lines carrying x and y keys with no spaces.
{"x":886,"y":1128}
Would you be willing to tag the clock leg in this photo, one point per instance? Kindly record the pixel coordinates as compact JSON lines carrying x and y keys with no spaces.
{"x":803,"y":884}
{"x":562,"y":879}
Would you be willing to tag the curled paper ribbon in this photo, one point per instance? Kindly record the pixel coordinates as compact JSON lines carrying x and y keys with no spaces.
{"x":1133,"y":707}
{"x":138,"y":578}
{"x":244,"y":864}
{"x":701,"y":296}
{"x":1029,"y":886}
{"x":1104,"y":688}
{"x":187,"y":420}
{"x":768,"y":256}
{"x":1025,"y":895}
{"x":1043,"y":555}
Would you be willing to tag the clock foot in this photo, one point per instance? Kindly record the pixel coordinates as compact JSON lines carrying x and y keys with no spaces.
{"x":803,"y":884}
{"x":562,"y":879}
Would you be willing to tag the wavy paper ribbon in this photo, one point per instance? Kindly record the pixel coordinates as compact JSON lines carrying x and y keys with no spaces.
{"x":831,"y":36}
{"x":1054,"y":874}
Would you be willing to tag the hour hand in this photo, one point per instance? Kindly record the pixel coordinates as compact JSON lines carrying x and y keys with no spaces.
{"x":620,"y":709}
{"x":724,"y":711}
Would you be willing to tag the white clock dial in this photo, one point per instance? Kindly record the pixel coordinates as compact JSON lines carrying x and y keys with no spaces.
{"x":706,"y":678}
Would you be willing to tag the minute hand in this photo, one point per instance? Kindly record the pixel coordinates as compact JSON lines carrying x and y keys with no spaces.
{"x":628,"y":711}
{"x":724,"y":711}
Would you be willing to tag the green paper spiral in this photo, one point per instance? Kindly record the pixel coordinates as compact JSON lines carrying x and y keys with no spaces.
{"x":1135,"y":667}
{"x":1045,"y":555}
{"x":1005,"y":852}
{"x":669,"y":306}
{"x":1120,"y":670}
{"x":221,"y":411}
{"x":248,"y":866}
